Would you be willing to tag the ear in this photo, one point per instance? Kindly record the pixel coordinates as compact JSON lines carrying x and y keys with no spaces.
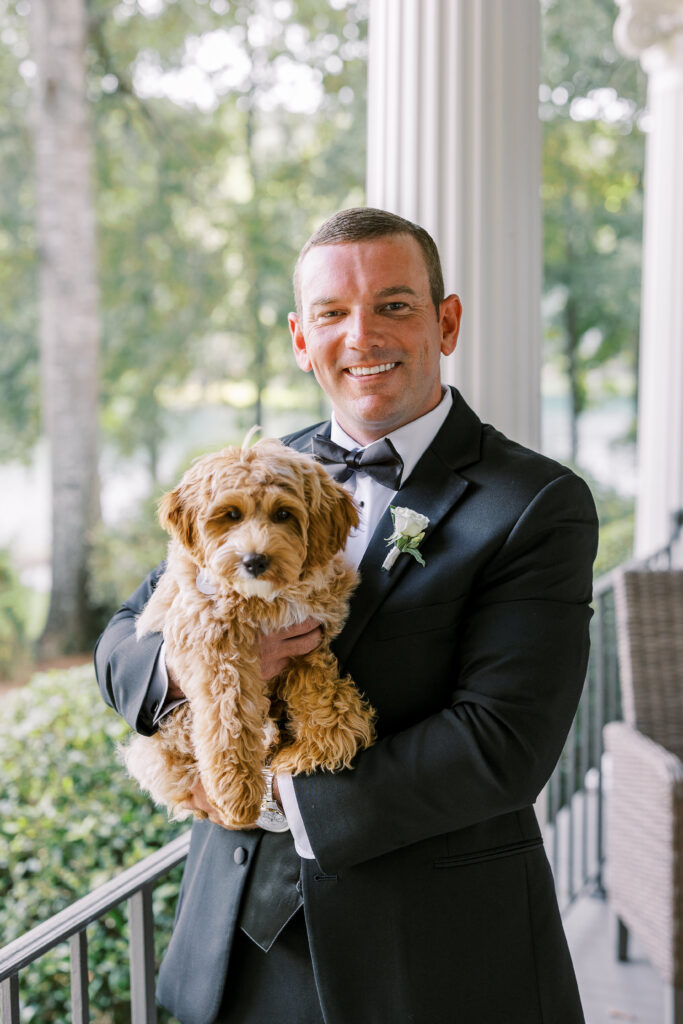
{"x":177,"y":517}
{"x":332,"y":516}
{"x":299,"y":343}
{"x":450,"y":315}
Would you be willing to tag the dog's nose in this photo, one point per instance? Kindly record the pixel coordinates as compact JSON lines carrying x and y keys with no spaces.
{"x":255,"y":564}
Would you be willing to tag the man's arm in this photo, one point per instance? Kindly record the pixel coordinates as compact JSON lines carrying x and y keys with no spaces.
{"x":125,"y":666}
{"x":521,"y":658}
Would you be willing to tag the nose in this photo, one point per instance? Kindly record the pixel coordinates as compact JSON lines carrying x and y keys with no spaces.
{"x":360,"y":332}
{"x":255,"y":564}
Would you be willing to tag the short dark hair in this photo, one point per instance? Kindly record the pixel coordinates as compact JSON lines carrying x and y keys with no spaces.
{"x":361,"y":223}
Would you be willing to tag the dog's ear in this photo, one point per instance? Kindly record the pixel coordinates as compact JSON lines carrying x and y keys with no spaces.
{"x":332,"y":516}
{"x":177,"y":517}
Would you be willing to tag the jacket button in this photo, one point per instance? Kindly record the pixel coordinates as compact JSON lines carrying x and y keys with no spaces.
{"x":240,"y":855}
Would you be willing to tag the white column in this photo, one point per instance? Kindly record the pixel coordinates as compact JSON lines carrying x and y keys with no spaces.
{"x":454,"y":144}
{"x":653,"y":31}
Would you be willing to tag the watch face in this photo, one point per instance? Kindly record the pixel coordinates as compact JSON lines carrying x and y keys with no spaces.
{"x":271,"y":818}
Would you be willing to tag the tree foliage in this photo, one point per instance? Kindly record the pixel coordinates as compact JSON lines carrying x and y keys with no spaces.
{"x":592,"y":106}
{"x":19,"y":379}
{"x":218,"y":192}
{"x":225,"y":133}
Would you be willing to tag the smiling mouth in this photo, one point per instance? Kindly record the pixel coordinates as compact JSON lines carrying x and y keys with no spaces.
{"x":370,"y":371}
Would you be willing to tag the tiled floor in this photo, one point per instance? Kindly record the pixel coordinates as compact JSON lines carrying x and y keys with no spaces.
{"x":612,"y":993}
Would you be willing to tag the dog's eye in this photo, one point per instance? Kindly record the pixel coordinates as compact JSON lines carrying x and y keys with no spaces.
{"x":282,"y":514}
{"x":232,"y":513}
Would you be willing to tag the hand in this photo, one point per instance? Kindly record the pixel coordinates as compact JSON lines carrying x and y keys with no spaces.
{"x":275,"y":649}
{"x":200,"y":802}
{"x":174,"y":691}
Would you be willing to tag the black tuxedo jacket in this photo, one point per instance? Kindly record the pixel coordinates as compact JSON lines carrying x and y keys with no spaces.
{"x":430,"y":899}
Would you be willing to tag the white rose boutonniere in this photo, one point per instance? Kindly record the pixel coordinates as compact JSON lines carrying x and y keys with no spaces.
{"x":409,"y":530}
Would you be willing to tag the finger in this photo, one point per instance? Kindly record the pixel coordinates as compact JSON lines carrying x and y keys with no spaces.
{"x":299,"y":629}
{"x":200,"y":802}
{"x":303,"y":644}
{"x":175,"y":690}
{"x":200,"y":799}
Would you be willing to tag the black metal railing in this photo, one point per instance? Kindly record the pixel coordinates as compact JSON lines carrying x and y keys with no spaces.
{"x":575,"y":795}
{"x":134,"y":886}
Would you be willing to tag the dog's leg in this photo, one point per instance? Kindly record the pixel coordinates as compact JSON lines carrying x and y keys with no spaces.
{"x":229,"y":741}
{"x":330,"y":720}
{"x":164,"y":764}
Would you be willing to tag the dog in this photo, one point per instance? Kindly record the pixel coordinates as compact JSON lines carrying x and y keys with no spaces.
{"x":257,"y":535}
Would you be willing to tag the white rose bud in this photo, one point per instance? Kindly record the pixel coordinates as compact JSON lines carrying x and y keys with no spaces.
{"x":408,"y":523}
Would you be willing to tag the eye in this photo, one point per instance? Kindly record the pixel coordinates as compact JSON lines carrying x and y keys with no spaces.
{"x":282,"y":515}
{"x":233,"y":514}
{"x":395,"y":307}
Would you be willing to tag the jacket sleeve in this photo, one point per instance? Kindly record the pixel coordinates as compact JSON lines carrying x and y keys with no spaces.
{"x":124,"y":665}
{"x":521,"y":661}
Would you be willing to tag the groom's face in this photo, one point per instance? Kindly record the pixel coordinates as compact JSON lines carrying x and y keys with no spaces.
{"x":370,"y":333}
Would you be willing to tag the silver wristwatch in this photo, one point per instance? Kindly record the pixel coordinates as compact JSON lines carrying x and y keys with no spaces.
{"x":270,"y":816}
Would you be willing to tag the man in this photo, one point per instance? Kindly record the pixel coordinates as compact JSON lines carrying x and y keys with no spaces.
{"x":427,"y":896}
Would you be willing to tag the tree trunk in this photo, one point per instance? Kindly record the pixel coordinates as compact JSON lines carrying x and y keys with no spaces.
{"x":259,"y":335}
{"x":69,"y":327}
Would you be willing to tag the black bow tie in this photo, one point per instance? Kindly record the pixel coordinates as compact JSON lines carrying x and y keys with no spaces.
{"x":381,"y":461}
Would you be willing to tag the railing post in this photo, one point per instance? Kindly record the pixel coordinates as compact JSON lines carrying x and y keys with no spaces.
{"x":571,"y":790}
{"x":141,"y":925}
{"x":584,"y":766}
{"x":601,"y":696}
{"x":80,"y":1000}
{"x":10,"y":999}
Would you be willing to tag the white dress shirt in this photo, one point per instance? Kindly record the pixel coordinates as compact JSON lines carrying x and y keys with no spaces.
{"x":372,"y":498}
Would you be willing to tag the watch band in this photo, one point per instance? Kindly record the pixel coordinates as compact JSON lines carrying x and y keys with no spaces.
{"x":270,"y":816}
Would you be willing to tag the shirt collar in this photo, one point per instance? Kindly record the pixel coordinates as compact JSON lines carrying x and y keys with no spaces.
{"x":411,"y":440}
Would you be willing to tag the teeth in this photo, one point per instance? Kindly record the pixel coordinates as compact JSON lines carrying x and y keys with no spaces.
{"x":366,"y":371}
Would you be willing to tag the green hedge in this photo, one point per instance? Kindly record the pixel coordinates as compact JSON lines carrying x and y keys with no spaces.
{"x":71,"y":819}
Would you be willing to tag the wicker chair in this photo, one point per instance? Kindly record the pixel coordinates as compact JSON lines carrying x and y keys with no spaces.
{"x":645,"y":804}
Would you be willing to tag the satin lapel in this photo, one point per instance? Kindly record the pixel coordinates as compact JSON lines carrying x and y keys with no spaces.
{"x":302,"y":442}
{"x":432,"y":489}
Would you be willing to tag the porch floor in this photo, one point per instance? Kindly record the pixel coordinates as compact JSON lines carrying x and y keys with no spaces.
{"x":611,"y":992}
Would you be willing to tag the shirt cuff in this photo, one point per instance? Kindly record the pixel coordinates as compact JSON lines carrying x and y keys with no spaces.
{"x":296,"y":823}
{"x":157,"y":699}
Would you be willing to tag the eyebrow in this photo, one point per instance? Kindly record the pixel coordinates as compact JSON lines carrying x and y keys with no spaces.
{"x":396,"y":289}
{"x":385,"y":293}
